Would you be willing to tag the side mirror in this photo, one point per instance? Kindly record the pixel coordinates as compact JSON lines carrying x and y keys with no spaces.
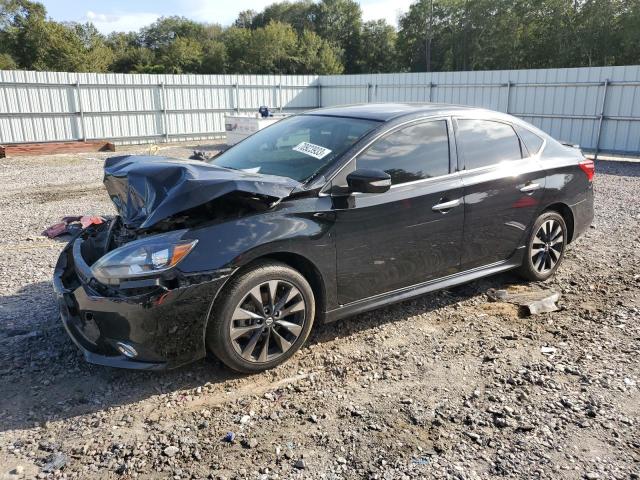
{"x":368,"y":181}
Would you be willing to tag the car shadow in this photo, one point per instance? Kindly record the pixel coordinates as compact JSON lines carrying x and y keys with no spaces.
{"x":45,"y":378}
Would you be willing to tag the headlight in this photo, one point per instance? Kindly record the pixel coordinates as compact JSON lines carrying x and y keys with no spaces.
{"x":143,"y":257}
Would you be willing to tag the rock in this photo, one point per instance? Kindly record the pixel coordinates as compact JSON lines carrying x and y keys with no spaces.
{"x":171,"y":451}
{"x":533,"y":301}
{"x":19,"y":470}
{"x":300,"y":464}
{"x":525,"y":427}
{"x":245,"y":419}
{"x":547,"y":350}
{"x":55,"y":462}
{"x":250,"y":443}
{"x":592,"y":476}
{"x":500,"y":422}
{"x":341,"y":460}
{"x":229,"y":437}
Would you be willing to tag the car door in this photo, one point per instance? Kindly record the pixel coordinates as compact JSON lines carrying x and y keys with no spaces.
{"x":503,"y":186}
{"x":411,"y":233}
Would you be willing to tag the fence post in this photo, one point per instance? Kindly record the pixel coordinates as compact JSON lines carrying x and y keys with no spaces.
{"x":369,"y":92}
{"x":81,"y":112}
{"x":431,"y":92}
{"x":508,"y":85}
{"x":237,"y":102}
{"x":163,"y":111}
{"x":602,"y":107}
{"x":319,"y":93}
{"x":280,"y":96}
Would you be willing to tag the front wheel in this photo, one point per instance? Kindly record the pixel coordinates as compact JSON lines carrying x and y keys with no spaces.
{"x":262,"y":318}
{"x":546,"y":247}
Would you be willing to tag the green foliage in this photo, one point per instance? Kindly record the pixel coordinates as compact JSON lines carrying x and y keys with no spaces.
{"x":329,"y":36}
{"x":378,"y":53}
{"x":7,"y":62}
{"x":340,"y":22}
{"x":298,"y":14}
{"x":317,"y":56}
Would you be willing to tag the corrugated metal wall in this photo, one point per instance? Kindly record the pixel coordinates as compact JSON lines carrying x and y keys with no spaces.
{"x":572,"y":104}
{"x":568,"y":103}
{"x":46,"y":106}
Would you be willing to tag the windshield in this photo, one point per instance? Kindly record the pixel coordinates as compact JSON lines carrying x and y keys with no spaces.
{"x":296,"y":147}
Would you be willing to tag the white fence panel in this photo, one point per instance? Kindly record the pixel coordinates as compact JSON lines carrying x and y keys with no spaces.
{"x":137,"y":108}
{"x":598,"y":108}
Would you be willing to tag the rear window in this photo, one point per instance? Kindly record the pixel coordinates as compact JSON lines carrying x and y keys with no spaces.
{"x":532,"y":141}
{"x":485,"y":142}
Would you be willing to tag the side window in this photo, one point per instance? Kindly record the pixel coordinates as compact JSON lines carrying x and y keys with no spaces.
{"x":484,"y":142}
{"x":532,"y":141}
{"x":411,"y":153}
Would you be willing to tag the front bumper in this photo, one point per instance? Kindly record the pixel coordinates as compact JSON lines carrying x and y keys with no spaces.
{"x":166,"y":327}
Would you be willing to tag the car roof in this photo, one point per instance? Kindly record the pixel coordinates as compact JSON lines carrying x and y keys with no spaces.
{"x":383,"y":112}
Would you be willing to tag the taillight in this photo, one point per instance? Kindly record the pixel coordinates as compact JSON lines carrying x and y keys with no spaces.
{"x":588,"y":167}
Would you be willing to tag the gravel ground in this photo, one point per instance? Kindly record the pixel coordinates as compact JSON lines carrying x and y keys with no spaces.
{"x":449,"y":385}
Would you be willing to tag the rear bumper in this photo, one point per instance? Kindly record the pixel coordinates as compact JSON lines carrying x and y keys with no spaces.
{"x":165,"y":327}
{"x":582,"y":215}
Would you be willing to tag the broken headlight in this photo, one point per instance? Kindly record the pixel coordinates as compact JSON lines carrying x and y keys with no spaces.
{"x":143,"y":257}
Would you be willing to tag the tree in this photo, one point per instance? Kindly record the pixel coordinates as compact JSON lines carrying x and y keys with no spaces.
{"x":245,"y":19}
{"x":182,"y":55}
{"x":378,"y":54}
{"x":7,"y":62}
{"x":272,"y":49}
{"x":340,"y":22}
{"x":165,"y":30}
{"x":236,"y":42}
{"x":299,"y":14}
{"x":317,"y":56}
{"x":214,"y":59}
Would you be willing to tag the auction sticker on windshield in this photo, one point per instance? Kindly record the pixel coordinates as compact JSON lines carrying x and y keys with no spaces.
{"x":312,"y":150}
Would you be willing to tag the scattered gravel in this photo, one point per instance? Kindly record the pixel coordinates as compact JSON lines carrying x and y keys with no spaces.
{"x":449,"y":385}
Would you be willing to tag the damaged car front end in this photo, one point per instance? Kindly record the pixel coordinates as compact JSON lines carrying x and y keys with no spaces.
{"x":136,"y":291}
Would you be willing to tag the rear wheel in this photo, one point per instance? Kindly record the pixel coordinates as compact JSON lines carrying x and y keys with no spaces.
{"x":546,"y":247}
{"x":263,"y":317}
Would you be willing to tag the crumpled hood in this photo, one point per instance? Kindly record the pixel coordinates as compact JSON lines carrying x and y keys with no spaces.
{"x":148,"y":189}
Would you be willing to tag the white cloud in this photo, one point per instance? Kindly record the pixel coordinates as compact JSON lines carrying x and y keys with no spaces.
{"x":384,"y":9}
{"x":120,"y":22}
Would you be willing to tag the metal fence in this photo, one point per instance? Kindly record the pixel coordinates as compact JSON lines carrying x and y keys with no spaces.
{"x":45,"y":106}
{"x":597,"y":108}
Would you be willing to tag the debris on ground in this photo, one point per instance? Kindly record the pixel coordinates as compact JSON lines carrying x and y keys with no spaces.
{"x":72,"y":225}
{"x":54,"y":462}
{"x":533,"y":301}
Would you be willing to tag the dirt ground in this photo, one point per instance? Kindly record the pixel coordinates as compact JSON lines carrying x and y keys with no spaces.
{"x":448,"y":385}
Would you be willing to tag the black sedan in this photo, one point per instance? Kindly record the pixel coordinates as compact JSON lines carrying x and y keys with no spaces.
{"x":318,"y":217}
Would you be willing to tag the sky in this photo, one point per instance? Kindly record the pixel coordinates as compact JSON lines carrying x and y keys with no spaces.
{"x":124,"y":16}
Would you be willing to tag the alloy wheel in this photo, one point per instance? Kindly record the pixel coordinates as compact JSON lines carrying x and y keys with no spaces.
{"x":547,"y":246}
{"x":268,"y":321}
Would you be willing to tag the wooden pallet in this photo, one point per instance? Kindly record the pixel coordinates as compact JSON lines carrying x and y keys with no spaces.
{"x":49,"y":148}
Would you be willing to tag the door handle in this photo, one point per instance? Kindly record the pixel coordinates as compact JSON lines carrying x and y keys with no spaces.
{"x":444,"y":206}
{"x":530,"y":187}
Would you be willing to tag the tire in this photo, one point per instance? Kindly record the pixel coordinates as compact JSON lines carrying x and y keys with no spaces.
{"x":545,"y":248}
{"x":238,"y":330}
